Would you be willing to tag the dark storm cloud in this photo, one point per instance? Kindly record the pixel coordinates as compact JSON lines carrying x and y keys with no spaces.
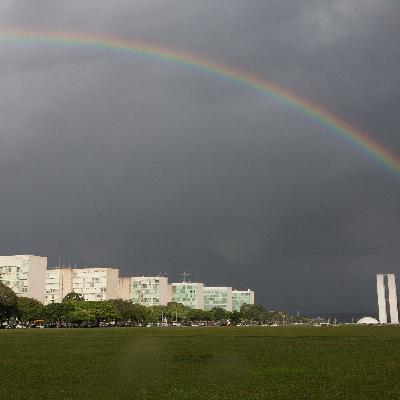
{"x":111,"y":159}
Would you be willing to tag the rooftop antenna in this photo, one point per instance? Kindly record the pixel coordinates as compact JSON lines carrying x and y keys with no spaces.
{"x":185,"y":275}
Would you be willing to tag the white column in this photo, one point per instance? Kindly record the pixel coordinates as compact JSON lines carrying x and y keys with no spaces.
{"x":394,"y":313}
{"x":380,"y":288}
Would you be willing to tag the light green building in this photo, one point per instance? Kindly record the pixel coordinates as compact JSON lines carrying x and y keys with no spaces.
{"x":189,"y":294}
{"x":218,"y":297}
{"x":240,"y":297}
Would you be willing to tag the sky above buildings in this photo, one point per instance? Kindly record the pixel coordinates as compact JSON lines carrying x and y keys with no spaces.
{"x":107,"y":158}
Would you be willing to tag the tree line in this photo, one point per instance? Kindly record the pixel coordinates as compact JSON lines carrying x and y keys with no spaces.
{"x":74,"y":311}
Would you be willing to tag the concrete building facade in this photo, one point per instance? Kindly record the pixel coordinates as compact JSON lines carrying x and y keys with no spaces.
{"x":58,"y":284}
{"x":217,"y":297}
{"x":149,"y":290}
{"x":28,"y":276}
{"x":189,"y":294}
{"x":240,"y":297}
{"x":96,"y":283}
{"x":124,"y":288}
{"x":25,"y":275}
{"x":387,"y":298}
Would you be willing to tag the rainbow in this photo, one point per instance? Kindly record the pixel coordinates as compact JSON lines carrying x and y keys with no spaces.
{"x":350,"y":133}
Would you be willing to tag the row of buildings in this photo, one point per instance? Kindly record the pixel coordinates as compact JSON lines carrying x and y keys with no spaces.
{"x":28,"y":276}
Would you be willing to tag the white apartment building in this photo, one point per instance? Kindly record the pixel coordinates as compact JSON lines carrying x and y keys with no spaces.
{"x":27,"y":276}
{"x":24,"y":274}
{"x":96,"y":283}
{"x":240,"y":297}
{"x":145,"y":290}
{"x":189,"y":294}
{"x":58,"y":284}
{"x":217,"y":297}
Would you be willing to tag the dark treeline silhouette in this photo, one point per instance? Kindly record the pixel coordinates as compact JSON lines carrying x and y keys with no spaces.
{"x":74,"y":312}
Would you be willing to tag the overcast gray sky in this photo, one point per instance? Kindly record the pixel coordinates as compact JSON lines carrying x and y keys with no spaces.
{"x":111,"y":159}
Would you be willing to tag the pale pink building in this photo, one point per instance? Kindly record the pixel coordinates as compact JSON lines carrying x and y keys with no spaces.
{"x":94,"y":283}
{"x":25,"y":275}
{"x":58,"y":284}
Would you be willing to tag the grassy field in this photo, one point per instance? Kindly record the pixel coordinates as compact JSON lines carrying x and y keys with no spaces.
{"x":349,"y":362}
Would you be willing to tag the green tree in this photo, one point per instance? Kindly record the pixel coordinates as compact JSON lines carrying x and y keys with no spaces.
{"x":29,"y":309}
{"x":157,"y":313}
{"x":220,"y":314}
{"x":55,"y":312}
{"x":235,"y":317}
{"x":279,"y":317}
{"x":124,"y":308}
{"x":103,"y":310}
{"x":139,"y":313}
{"x":253,"y":312}
{"x":92,"y":311}
{"x":72,"y":296}
{"x":132,"y":312}
{"x":79,"y":314}
{"x":210,"y":315}
{"x":8,"y":302}
{"x":177,"y":311}
{"x":197,"y":315}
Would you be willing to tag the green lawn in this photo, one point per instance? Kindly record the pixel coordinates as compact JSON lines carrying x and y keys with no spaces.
{"x":348,"y":362}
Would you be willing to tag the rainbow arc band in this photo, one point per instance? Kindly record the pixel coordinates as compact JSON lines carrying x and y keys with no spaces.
{"x":350,"y":133}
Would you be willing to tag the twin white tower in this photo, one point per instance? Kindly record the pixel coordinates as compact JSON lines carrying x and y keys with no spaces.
{"x":387,"y":298}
